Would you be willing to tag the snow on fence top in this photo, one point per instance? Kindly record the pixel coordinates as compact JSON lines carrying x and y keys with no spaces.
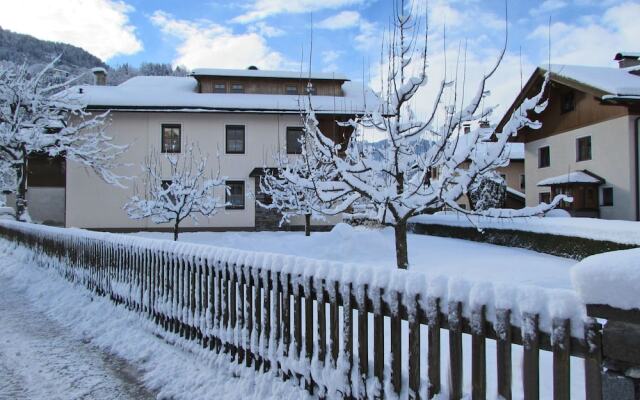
{"x":624,"y":232}
{"x":547,"y":303}
{"x":609,"y":278}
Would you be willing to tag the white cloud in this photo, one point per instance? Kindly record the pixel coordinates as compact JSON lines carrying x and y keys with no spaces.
{"x":369,"y":37}
{"x":548,"y":6}
{"x":266,"y":30}
{"x":329,"y":59}
{"x":342,"y":20}
{"x":595,"y":40}
{"x":260,"y":9}
{"x":101,"y":27}
{"x":207,"y":44}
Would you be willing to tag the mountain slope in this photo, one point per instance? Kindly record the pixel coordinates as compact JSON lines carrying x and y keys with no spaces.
{"x":19,"y":48}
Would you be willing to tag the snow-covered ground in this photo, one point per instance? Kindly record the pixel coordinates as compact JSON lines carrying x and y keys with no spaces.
{"x":59,"y":342}
{"x":374,"y":247}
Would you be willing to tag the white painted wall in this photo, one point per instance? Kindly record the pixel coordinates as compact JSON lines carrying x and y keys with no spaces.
{"x":93,"y":204}
{"x":613,"y":158}
{"x":46,"y":204}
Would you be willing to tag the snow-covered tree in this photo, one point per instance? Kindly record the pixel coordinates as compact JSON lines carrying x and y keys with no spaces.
{"x":396,"y":179}
{"x":286,"y":197}
{"x":179,"y":191}
{"x":488,"y":191}
{"x":38,"y":116}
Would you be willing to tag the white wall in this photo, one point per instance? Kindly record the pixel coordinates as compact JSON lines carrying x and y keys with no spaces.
{"x":94,"y":204}
{"x":612,"y":157}
{"x":45,"y":204}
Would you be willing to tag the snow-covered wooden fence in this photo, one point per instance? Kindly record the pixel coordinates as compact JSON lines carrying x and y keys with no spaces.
{"x":273,"y":312}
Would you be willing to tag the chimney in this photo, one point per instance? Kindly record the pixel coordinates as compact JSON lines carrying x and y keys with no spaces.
{"x":627,"y":59}
{"x":99,"y":76}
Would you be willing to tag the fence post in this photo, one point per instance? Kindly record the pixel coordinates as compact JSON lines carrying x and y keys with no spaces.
{"x":620,"y":353}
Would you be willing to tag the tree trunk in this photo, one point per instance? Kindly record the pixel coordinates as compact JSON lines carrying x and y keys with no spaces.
{"x":402,"y":257}
{"x":307,"y":224}
{"x":176,"y":230}
{"x":22,"y":212}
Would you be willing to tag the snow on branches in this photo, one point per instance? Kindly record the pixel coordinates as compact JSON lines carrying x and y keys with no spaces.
{"x":285,"y":196}
{"x":398,"y":178}
{"x":39,"y":114}
{"x":184,"y":191}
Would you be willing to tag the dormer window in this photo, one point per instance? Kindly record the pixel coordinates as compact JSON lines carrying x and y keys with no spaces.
{"x":220,"y":87}
{"x":568,"y":102}
{"x":237,"y":88}
{"x":291,"y":89}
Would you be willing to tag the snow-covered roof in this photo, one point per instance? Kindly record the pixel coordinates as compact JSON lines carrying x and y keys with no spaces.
{"x":627,"y":54}
{"x":616,"y":82}
{"x":98,"y":69}
{"x":572,"y":177}
{"x":258,"y":73}
{"x":515,"y":192}
{"x":155,"y":93}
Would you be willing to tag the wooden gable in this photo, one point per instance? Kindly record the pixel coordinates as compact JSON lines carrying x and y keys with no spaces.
{"x":588,"y":107}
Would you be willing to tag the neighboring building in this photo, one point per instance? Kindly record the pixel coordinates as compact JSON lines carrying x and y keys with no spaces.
{"x":588,"y":144}
{"x":512,"y":174}
{"x":244,"y":115}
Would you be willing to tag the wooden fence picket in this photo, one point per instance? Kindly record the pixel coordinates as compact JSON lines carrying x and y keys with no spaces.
{"x":291,"y":321}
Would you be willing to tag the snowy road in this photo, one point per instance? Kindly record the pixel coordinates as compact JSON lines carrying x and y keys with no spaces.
{"x":40,"y":360}
{"x":60,"y":342}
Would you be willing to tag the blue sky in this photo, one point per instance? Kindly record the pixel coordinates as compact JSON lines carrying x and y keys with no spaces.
{"x":347,"y":33}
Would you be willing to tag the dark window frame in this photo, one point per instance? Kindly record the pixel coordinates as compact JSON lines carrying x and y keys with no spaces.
{"x":568,"y":102}
{"x":235,"y":90}
{"x":165,"y":184}
{"x":294,"y":129}
{"x":162,"y":138}
{"x":523,"y":181}
{"x":291,"y":92}
{"x":544,"y":197}
{"x":579,"y":155}
{"x":607,"y":198}
{"x":541,"y":161}
{"x":226,"y":139}
{"x":312,"y":90}
{"x":224,"y":87}
{"x":228,"y":194}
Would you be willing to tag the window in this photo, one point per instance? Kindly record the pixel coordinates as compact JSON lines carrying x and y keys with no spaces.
{"x":545,"y":197}
{"x":293,"y":140}
{"x":291,"y":89}
{"x":312,"y":89}
{"x":568,"y":102}
{"x":237,"y":88}
{"x":466,"y":128}
{"x":220,"y":87}
{"x":235,"y":139}
{"x":607,"y":196}
{"x":504,"y":177}
{"x":166,"y":185}
{"x":522,"y":181}
{"x":583,"y":148}
{"x":171,"y":138}
{"x":544,"y":157}
{"x":235,"y":195}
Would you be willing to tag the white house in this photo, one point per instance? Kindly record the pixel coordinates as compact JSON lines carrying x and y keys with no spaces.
{"x":589,"y":141}
{"x":245,"y":116}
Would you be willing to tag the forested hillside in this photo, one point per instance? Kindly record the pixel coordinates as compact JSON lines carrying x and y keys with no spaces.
{"x":19,"y":48}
